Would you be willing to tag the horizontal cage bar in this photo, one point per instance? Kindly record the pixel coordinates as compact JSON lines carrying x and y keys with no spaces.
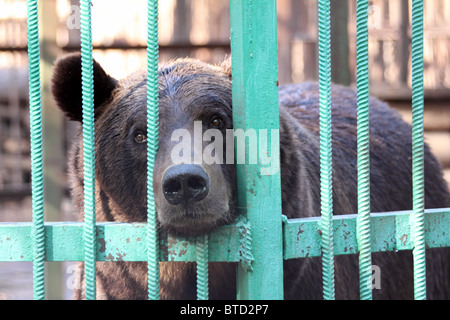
{"x":126,"y":241}
{"x":390,"y":231}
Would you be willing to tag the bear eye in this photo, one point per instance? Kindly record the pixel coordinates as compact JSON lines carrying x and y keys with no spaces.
{"x":216,"y":121}
{"x":140,"y":138}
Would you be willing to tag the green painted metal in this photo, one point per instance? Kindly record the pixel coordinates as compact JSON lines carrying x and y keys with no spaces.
{"x":326,"y":192}
{"x":255,"y":106}
{"x":202,"y":267}
{"x":245,"y":237}
{"x":37,"y":181}
{"x":152,"y":147}
{"x":260,"y":240}
{"x":87,"y":85}
{"x":389,"y":231}
{"x":362,"y":86}
{"x":418,"y":152}
{"x":64,"y":241}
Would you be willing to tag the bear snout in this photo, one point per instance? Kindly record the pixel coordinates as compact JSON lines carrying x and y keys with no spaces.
{"x":185,"y":184}
{"x":192,"y":199}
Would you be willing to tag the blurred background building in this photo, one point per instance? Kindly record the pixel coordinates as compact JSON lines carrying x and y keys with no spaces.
{"x":200,"y":29}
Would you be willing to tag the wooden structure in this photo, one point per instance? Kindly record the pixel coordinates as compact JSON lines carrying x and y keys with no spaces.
{"x":201,"y":29}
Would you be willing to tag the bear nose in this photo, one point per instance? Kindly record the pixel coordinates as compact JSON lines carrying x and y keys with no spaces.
{"x":185,"y":183}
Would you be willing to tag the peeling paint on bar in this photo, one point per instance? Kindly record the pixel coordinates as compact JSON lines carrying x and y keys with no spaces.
{"x":389,"y":232}
{"x":126,"y":241}
{"x":115,"y":242}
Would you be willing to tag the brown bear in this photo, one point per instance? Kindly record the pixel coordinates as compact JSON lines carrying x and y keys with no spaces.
{"x":194,"y":199}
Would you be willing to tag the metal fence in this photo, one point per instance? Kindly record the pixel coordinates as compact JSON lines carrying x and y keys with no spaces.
{"x":262,"y":238}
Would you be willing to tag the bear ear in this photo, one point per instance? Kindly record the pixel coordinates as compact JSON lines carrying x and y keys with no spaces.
{"x":66,"y":86}
{"x":225,"y":66}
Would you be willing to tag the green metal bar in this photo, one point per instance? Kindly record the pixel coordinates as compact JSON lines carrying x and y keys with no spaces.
{"x":326,"y":198}
{"x":255,"y":106}
{"x":362,"y":86}
{"x":202,"y":268}
{"x":64,"y":241}
{"x":390,"y":231}
{"x":418,"y":152}
{"x":87,"y":78}
{"x":37,"y":183}
{"x":152,"y":147}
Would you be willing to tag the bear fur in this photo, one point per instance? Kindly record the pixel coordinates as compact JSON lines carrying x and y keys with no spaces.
{"x":191,"y":90}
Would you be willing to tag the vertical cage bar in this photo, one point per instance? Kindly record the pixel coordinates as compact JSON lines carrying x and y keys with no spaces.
{"x":418,"y":152}
{"x":152,"y":147}
{"x":37,"y":183}
{"x":87,"y":85}
{"x":362,"y":87}
{"x":255,"y":106}
{"x":325,"y":149}
{"x":202,"y":268}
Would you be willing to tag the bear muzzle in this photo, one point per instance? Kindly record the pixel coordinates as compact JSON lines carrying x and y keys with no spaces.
{"x":185,"y":184}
